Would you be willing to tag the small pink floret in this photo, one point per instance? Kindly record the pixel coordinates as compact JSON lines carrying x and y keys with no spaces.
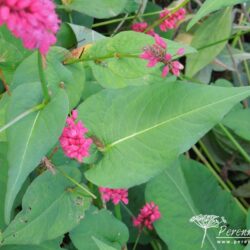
{"x":114,"y":195}
{"x":35,"y":22}
{"x":147,"y":216}
{"x":73,"y":141}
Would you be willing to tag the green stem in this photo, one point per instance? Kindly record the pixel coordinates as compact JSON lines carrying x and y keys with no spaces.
{"x":245,"y":62}
{"x":76,"y":183}
{"x":43,"y":79}
{"x":222,"y":183}
{"x":137,"y":240}
{"x":235,"y":143}
{"x":217,"y":168}
{"x":159,"y":21}
{"x":21,"y":116}
{"x":118,"y":214}
{"x":115,"y":55}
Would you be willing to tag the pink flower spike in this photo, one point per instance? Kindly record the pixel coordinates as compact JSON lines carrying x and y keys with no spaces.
{"x":147,"y":216}
{"x":35,"y":22}
{"x":73,"y":141}
{"x":114,"y":195}
{"x":180,"y":51}
{"x":160,"y":41}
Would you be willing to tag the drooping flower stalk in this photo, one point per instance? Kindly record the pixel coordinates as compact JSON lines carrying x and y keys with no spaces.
{"x":157,"y":53}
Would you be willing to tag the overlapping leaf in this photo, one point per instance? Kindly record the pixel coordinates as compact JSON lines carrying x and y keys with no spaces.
{"x":33,"y":136}
{"x":51,"y":207}
{"x":187,"y":189}
{"x":143,"y":129}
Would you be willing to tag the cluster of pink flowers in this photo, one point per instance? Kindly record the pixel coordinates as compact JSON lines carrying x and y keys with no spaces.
{"x":171,"y":19}
{"x":34,"y":21}
{"x":158,"y":53}
{"x":147,"y":216}
{"x":170,"y":22}
{"x":116,"y":195}
{"x":73,"y":141}
{"x":141,"y":27}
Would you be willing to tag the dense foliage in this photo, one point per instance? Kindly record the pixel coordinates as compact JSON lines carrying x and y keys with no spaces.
{"x":124,"y":124}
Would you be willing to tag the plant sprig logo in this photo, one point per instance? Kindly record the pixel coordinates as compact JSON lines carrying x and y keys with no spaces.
{"x":225,"y":234}
{"x":207,"y":221}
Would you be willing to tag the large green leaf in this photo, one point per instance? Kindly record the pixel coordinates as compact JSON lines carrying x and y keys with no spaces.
{"x":3,"y":180}
{"x":210,"y":6}
{"x":143,"y":129}
{"x":187,"y":189}
{"x":102,"y":226}
{"x":50,"y":245}
{"x":98,"y":9}
{"x":32,"y":137}
{"x":50,"y":208}
{"x":216,"y":28}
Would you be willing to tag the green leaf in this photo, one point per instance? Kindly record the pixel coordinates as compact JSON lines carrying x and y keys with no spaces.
{"x":102,"y":226}
{"x":98,"y":9}
{"x":50,"y":245}
{"x":187,"y":189}
{"x":51,"y":207}
{"x":32,"y":137}
{"x":239,"y":121}
{"x":210,"y":6}
{"x":216,"y":28}
{"x":3,"y":104}
{"x":143,"y":129}
{"x":3,"y":180}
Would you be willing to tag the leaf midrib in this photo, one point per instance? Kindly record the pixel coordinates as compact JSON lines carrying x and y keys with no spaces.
{"x":24,"y":154}
{"x":188,"y":204}
{"x":121,"y":140}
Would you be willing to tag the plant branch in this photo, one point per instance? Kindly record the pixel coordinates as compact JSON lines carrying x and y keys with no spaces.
{"x":21,"y":116}
{"x":235,"y":143}
{"x":43,"y":79}
{"x":222,"y":183}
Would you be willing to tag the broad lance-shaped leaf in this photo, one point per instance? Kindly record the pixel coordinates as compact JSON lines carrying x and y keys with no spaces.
{"x":188,"y":189}
{"x":98,"y":230}
{"x":32,"y":137}
{"x":143,"y":129}
{"x":210,"y":6}
{"x":50,"y":208}
{"x":215,"y":29}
